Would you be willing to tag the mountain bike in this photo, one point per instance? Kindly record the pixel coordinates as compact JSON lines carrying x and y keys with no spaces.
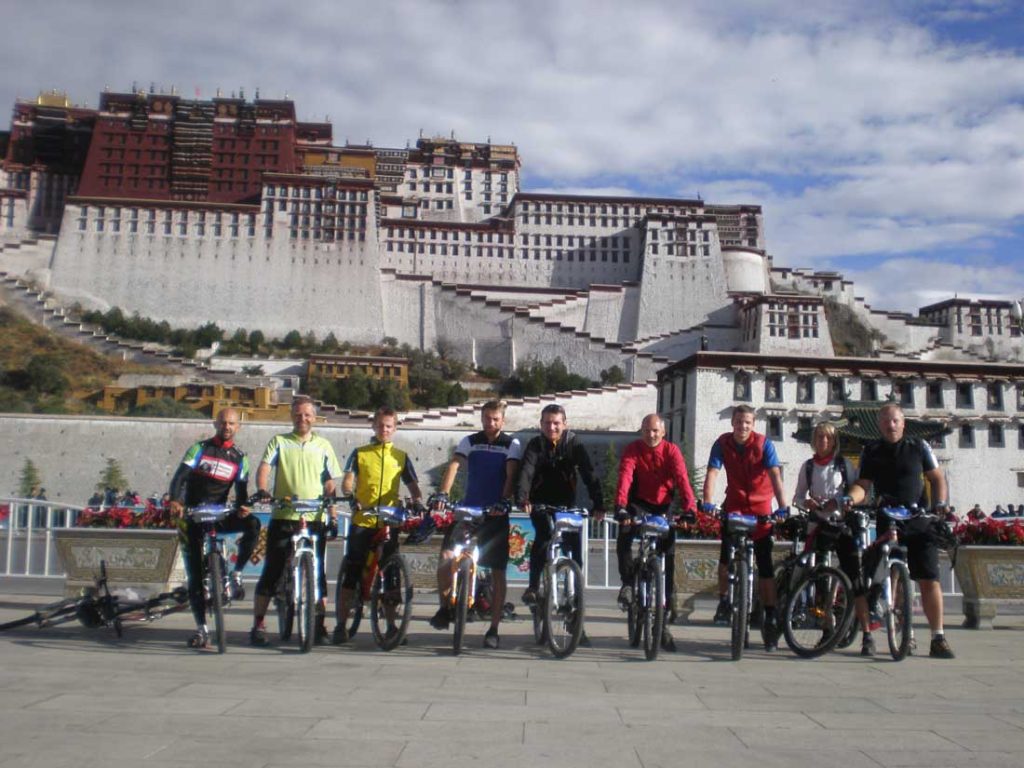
{"x":645,"y":614}
{"x":736,"y":530}
{"x":297,"y":593}
{"x":385,"y":585}
{"x":97,"y":607}
{"x":559,"y":610}
{"x":816,"y":598}
{"x":885,"y":572}
{"x":217,"y":588}
{"x":464,"y":564}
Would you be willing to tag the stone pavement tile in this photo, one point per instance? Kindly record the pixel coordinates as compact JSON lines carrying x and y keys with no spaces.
{"x":584,"y":730}
{"x":684,"y":755}
{"x":1007,"y":739}
{"x":668,"y":715}
{"x":484,"y":713}
{"x":924,"y":759}
{"x":557,"y":751}
{"x":569,"y":699}
{"x":718,"y":701}
{"x":284,"y":752}
{"x":925,"y":704}
{"x":235,"y":688}
{"x":67,"y":747}
{"x":112,"y":702}
{"x":466,"y":690}
{"x":931,"y":721}
{"x":353,"y":709}
{"x":240,"y":728}
{"x":26,"y":721}
{"x":416,"y":731}
{"x":823,"y":738}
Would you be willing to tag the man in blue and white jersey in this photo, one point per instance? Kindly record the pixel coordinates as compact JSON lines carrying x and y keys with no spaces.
{"x":491,"y":460}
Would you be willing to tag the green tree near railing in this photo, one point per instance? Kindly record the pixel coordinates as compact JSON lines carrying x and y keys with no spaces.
{"x":112,"y":477}
{"x":30,"y":481}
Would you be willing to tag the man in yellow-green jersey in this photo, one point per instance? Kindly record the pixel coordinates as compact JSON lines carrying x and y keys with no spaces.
{"x":305,"y":467}
{"x":373,"y":475}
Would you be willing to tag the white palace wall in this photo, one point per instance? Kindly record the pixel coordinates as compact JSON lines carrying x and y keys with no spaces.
{"x":72,"y":451}
{"x":276,"y":285}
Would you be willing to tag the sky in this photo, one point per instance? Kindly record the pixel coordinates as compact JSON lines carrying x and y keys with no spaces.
{"x":883,"y":138}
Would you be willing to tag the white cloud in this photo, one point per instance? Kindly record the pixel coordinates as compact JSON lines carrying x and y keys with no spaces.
{"x":859,"y":129}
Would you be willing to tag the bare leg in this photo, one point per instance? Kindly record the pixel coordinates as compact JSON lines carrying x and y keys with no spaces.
{"x":723,"y":580}
{"x":444,"y":577}
{"x":344,"y":605}
{"x":931,"y":601}
{"x":260,"y":605}
{"x":498,"y":579}
{"x":767,"y":587}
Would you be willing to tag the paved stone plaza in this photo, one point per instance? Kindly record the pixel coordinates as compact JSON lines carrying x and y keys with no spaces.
{"x":80,"y":698}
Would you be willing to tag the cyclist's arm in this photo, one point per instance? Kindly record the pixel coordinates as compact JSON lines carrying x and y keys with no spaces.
{"x":178,"y":484}
{"x":526,"y":472}
{"x":859,"y":491}
{"x":412,"y":482}
{"x":458,"y":462}
{"x":937,"y":481}
{"x":263,"y":477}
{"x":511,"y":472}
{"x":348,"y":484}
{"x":710,"y":476}
{"x":780,"y":490}
{"x":590,"y":480}
{"x":242,"y":488}
{"x":682,"y":478}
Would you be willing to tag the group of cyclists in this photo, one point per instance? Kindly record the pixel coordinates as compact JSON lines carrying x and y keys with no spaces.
{"x":544,"y":474}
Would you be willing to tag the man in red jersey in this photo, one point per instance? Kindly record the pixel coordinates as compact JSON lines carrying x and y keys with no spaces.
{"x":650,"y":471}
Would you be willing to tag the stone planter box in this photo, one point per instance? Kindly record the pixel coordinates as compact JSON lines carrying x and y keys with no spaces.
{"x":988,"y":576}
{"x":146,"y":561}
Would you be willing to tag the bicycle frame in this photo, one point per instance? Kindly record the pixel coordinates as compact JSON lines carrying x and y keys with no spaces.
{"x":466,"y":549}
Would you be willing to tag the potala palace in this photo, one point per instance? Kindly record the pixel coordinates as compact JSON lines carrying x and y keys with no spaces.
{"x":231,"y":209}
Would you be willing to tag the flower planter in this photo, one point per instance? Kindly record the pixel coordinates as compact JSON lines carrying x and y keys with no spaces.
{"x":988,"y":575}
{"x":147,"y":561}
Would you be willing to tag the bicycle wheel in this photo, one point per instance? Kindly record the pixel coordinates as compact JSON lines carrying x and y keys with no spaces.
{"x":356,"y":616}
{"x":57,"y":613}
{"x":540,"y":631}
{"x":215,"y":573}
{"x":305,"y":602}
{"x":391,"y":602}
{"x":655,"y":621}
{"x":563,"y":607}
{"x":740,"y":609}
{"x":901,"y":612}
{"x":819,"y":611}
{"x":462,"y":579}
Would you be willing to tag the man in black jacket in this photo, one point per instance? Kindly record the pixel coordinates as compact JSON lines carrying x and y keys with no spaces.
{"x":547,"y":476}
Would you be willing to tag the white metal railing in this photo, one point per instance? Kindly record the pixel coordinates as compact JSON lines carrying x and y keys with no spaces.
{"x":27,"y":527}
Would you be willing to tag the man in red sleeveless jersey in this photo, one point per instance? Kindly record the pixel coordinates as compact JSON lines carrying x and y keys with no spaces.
{"x":752,"y":478}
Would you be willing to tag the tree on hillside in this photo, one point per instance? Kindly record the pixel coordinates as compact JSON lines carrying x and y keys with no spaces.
{"x":166,"y":408}
{"x":44,"y":374}
{"x":112,"y":476}
{"x":29,"y":482}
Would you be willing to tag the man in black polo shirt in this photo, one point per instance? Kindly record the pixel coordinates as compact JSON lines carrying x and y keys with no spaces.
{"x":207,"y":474}
{"x":893,"y":466}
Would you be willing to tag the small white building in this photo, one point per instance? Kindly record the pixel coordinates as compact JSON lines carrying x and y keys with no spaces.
{"x":983,"y":404}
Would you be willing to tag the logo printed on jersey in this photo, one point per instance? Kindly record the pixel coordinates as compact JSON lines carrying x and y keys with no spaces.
{"x":218,"y":469}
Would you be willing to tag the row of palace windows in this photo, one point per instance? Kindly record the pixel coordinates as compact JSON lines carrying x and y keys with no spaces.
{"x":902,"y":390}
{"x":111,"y":220}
